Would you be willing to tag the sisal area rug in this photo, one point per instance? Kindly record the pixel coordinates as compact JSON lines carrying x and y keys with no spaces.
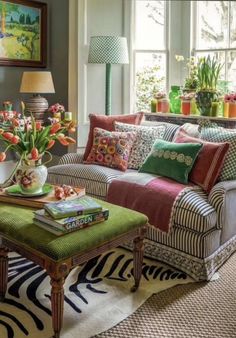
{"x":97,"y":295}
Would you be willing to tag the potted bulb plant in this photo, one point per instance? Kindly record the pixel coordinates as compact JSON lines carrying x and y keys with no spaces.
{"x":208,"y":71}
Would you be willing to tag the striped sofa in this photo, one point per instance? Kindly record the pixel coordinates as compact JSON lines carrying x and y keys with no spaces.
{"x":204,"y":231}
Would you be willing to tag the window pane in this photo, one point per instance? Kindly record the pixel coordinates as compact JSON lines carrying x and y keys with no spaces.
{"x":231,"y":65}
{"x":150,"y":78}
{"x":232,"y":24}
{"x":149,"y":24}
{"x":212,"y":24}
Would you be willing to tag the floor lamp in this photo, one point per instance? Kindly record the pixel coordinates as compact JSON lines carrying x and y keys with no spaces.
{"x":108,"y":50}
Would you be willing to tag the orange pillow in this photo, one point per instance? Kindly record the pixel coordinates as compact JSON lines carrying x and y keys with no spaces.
{"x":209,"y":162}
{"x":107,"y":123}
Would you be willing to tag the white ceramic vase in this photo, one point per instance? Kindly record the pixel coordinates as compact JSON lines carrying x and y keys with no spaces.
{"x":31,"y":177}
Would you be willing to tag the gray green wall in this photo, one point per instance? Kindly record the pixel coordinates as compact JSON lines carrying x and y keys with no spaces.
{"x":57,"y":60}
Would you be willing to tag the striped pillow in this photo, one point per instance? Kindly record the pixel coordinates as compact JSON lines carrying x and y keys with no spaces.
{"x":223,"y":135}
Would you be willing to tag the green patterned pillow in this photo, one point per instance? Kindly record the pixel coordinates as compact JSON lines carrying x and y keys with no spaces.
{"x":223,"y":135}
{"x":173,"y":160}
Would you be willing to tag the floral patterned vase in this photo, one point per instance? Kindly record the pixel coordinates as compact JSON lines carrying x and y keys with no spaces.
{"x":31,"y":177}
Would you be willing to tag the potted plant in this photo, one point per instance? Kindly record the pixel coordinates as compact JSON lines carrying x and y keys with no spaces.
{"x":208,"y":71}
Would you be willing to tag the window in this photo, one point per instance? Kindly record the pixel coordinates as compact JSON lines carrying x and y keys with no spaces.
{"x":149,"y":51}
{"x":214,"y":34}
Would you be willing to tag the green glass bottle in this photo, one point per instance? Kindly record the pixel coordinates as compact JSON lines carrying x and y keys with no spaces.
{"x":175,"y":102}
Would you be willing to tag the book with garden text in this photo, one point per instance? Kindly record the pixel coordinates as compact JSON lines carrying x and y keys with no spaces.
{"x":68,"y":224}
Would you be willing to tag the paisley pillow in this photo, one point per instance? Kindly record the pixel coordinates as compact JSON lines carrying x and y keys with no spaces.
{"x":110,"y":148}
{"x":146,"y":136}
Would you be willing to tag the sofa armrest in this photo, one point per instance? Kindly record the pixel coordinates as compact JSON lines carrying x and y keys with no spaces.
{"x":222,"y":197}
{"x":71,"y":158}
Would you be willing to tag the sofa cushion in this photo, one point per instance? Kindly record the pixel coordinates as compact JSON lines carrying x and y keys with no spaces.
{"x":111,"y":148}
{"x":220,"y":134}
{"x":209,"y":162}
{"x":173,"y":160}
{"x":145,"y":138}
{"x":94,"y":178}
{"x":107,"y":122}
{"x":170,"y":130}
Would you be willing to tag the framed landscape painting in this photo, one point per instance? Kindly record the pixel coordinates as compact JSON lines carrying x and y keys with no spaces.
{"x":23,"y":29}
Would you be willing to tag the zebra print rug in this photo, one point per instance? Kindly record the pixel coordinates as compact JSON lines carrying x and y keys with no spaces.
{"x":97,"y":295}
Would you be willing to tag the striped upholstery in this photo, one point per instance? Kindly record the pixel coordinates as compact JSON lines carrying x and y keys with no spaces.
{"x":71,"y":158}
{"x":94,"y":178}
{"x":194,"y":212}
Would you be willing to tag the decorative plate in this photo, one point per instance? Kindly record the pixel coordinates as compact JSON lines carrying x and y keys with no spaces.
{"x":15,"y":190}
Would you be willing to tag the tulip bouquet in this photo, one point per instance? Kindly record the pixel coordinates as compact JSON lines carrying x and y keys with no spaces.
{"x":29,"y":139}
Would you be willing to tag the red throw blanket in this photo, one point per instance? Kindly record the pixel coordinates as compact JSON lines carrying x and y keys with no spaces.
{"x":155,"y":197}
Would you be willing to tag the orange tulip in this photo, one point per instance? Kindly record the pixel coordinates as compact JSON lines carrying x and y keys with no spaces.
{"x":50,"y":144}
{"x":15,"y":139}
{"x":15,"y":122}
{"x":34,"y":154}
{"x":55,"y":127}
{"x":2,"y":156}
{"x":8,"y":136}
{"x":62,"y":140}
{"x":38,"y":125}
{"x":69,"y":139}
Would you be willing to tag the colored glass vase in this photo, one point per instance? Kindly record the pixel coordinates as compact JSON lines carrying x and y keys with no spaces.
{"x":186,"y":107}
{"x":174,"y":97}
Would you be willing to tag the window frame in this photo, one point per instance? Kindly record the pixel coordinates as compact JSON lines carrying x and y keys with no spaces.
{"x":134,"y":51}
{"x":195,"y":50}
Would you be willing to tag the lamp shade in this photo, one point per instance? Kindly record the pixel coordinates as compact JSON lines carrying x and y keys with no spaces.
{"x":108,"y":49}
{"x":37,"y":82}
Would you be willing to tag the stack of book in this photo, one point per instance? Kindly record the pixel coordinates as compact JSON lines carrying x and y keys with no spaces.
{"x":66,"y":216}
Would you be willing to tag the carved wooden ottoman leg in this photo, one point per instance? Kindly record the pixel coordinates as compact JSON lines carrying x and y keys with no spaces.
{"x":3,"y":272}
{"x":138,"y":259}
{"x":57,"y":301}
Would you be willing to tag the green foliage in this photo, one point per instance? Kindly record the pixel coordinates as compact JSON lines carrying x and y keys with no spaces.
{"x":208,"y":71}
{"x":148,"y":83}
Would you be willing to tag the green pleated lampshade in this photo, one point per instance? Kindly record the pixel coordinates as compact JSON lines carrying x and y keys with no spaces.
{"x":108,"y":49}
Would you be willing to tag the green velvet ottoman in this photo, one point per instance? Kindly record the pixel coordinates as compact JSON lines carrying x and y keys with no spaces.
{"x":58,"y":255}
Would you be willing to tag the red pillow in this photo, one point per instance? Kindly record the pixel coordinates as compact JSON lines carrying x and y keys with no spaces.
{"x":209,"y":162}
{"x":107,"y":123}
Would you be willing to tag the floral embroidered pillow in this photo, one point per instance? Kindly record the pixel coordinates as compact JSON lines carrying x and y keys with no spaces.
{"x":110,"y":148}
{"x":146,"y":136}
{"x":173,"y":160}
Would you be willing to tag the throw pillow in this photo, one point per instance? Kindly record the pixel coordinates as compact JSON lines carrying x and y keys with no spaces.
{"x":111,"y":149}
{"x":171,"y":128}
{"x":190,"y":129}
{"x":173,"y":160}
{"x":143,"y":143}
{"x":223,"y":135}
{"x":107,"y":123}
{"x":209,"y":162}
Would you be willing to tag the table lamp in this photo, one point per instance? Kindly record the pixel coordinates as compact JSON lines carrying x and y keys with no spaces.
{"x":108,"y":50}
{"x":37,"y":83}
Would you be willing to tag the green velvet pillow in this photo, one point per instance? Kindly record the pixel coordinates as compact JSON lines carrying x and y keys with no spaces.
{"x":173,"y":160}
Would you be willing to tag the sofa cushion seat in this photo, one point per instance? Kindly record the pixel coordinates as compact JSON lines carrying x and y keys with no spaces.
{"x":94,"y":178}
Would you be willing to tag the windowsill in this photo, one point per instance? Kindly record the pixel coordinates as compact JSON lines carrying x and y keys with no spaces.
{"x":172,"y":115}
